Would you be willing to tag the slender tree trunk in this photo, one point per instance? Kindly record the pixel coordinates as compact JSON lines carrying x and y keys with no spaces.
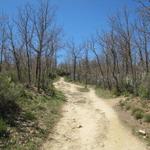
{"x":74,"y":68}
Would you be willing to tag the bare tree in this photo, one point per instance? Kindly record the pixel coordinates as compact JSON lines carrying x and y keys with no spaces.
{"x":26,"y":30}
{"x":15,"y":49}
{"x":75,"y":54}
{"x":3,"y":38}
{"x":42,"y":20}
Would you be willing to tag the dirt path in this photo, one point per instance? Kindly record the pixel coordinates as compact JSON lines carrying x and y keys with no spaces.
{"x":88,"y":123}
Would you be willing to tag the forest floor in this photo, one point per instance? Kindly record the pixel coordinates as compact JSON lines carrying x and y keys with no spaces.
{"x":89,"y":123}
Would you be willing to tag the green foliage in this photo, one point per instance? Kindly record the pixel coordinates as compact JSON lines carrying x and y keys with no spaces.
{"x":134,"y":110}
{"x":144,"y":88}
{"x":68,"y":79}
{"x":128,"y":88}
{"x":104,"y":93}
{"x":29,"y":116}
{"x":10,"y":93}
{"x":144,"y":92}
{"x":50,"y":90}
{"x":116,"y":92}
{"x":3,"y":127}
{"x":138,"y":113}
{"x":147,"y":117}
{"x":121,"y":103}
{"x":62,"y":72}
{"x":128,"y":107}
{"x":52,"y":75}
{"x":83,"y":89}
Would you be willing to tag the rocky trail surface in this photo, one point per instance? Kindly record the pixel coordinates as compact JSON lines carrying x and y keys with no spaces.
{"x":89,"y":123}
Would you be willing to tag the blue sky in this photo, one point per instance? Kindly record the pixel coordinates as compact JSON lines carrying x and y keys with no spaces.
{"x":79,"y":18}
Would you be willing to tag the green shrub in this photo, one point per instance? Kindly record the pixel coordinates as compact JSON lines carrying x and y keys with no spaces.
{"x":128,"y":88}
{"x":62,"y":72}
{"x":29,"y":116}
{"x":42,"y":108}
{"x":144,"y":92}
{"x":147,"y":117}
{"x":144,"y":88}
{"x":83,"y":89}
{"x":3,"y":127}
{"x":50,"y":90}
{"x":10,"y":93}
{"x":121,"y":103}
{"x":138,"y":115}
{"x":134,"y":110}
{"x":128,"y":107}
{"x":116,"y":92}
{"x":68,"y":79}
{"x":107,"y":94}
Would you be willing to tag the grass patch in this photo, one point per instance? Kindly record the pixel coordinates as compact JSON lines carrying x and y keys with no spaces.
{"x":147,"y":117}
{"x":67,"y":79}
{"x":3,"y":128}
{"x":29,"y":116}
{"x":134,"y":110}
{"x":106,"y":94}
{"x":40,"y":113}
{"x":83,"y":89}
{"x":138,"y":113}
{"x":128,"y":107}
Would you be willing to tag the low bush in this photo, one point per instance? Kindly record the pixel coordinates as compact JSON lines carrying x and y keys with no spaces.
{"x":138,"y":113}
{"x":107,"y":94}
{"x":83,"y":89}
{"x":61,"y":72}
{"x":3,"y":128}
{"x":128,"y":107}
{"x":29,"y":116}
{"x":121,"y":103}
{"x":10,"y":93}
{"x":144,"y":88}
{"x":147,"y":117}
{"x":136,"y":109}
{"x":127,"y":87}
{"x":68,"y":79}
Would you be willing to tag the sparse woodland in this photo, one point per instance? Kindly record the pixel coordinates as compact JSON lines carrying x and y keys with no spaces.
{"x":29,"y":43}
{"x":28,"y":49}
{"x":116,"y":59}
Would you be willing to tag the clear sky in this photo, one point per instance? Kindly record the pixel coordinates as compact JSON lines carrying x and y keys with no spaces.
{"x":79,"y":18}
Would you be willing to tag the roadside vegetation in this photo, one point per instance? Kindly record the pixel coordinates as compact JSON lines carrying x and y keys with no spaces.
{"x":29,"y":104}
{"x":29,"y":46}
{"x":83,"y":89}
{"x":137,"y":115}
{"x":103,"y":93}
{"x":26,"y":116}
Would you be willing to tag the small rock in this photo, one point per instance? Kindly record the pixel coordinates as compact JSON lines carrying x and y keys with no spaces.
{"x":80,"y":126}
{"x":144,"y":137}
{"x":142,"y":132}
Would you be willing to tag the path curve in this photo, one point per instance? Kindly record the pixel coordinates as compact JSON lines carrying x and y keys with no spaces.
{"x":88,"y":123}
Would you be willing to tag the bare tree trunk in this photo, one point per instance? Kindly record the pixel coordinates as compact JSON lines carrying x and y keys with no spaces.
{"x":74,"y":68}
